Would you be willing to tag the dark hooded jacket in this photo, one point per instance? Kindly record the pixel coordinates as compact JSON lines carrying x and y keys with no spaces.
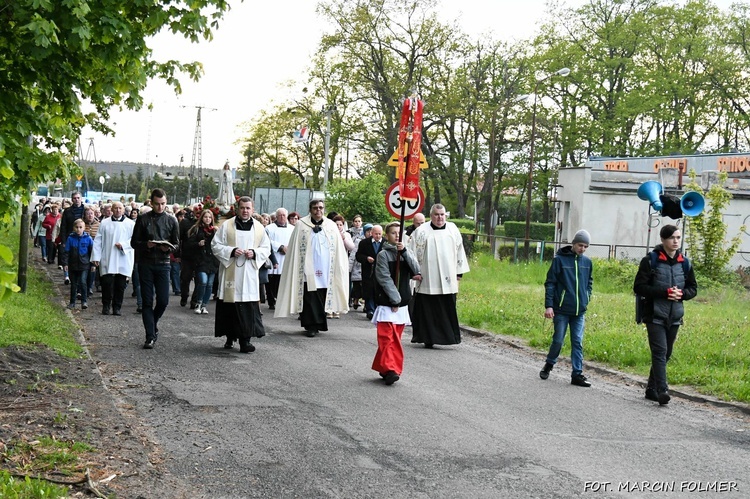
{"x":569,"y":283}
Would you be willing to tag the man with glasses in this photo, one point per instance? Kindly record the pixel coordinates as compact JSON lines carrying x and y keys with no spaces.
{"x":315,"y":278}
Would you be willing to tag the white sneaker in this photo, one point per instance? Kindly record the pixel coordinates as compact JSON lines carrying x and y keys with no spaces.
{"x":204,"y":311}
{"x":197,"y":310}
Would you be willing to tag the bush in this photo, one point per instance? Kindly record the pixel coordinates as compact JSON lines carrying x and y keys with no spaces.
{"x":464,"y":224}
{"x":537,"y":231}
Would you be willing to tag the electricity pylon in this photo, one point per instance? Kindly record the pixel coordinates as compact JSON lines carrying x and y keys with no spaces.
{"x":197,"y":161}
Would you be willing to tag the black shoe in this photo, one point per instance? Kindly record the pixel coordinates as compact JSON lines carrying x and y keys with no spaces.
{"x":580,"y":380}
{"x":271,"y":307}
{"x":183,"y":301}
{"x":116,"y":311}
{"x":429,"y":345}
{"x":663,"y":397}
{"x":651,"y":394}
{"x":149,"y":344}
{"x":544,"y":373}
{"x":247,"y":347}
{"x":84,"y":306}
{"x":138,"y":310}
{"x":311,"y":332}
{"x":105,"y":310}
{"x":391,"y":377}
{"x":369,"y":316}
{"x":229,"y":344}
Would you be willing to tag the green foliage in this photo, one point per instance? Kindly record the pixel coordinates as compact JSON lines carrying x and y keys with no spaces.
{"x":706,"y":235}
{"x":29,"y":488}
{"x":365,"y":197}
{"x":537,"y":231}
{"x":462,"y":223}
{"x":58,"y":54}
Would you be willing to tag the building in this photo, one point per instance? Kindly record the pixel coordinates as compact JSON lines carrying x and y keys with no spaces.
{"x":601,"y":197}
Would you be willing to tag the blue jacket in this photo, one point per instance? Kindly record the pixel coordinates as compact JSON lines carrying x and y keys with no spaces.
{"x":79,"y":250}
{"x":569,"y":283}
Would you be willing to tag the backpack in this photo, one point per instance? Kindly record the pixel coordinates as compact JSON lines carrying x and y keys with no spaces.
{"x":640,"y":300}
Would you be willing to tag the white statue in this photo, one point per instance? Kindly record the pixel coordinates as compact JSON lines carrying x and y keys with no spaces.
{"x":226,"y":191}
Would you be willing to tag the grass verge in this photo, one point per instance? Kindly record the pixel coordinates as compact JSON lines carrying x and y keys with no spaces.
{"x":712,"y":352}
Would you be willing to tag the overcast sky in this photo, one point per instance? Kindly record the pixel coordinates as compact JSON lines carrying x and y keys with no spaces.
{"x":257,"y":48}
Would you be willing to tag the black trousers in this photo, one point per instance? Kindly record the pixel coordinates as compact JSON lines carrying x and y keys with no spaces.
{"x":187,"y":273}
{"x":661,"y":340}
{"x":272,"y":289}
{"x":113,"y":290}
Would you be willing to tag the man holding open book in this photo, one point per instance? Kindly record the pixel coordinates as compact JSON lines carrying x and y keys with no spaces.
{"x":155,"y":236}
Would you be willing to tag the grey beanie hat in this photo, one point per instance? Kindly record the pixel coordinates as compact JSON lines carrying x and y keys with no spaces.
{"x":582,"y":236}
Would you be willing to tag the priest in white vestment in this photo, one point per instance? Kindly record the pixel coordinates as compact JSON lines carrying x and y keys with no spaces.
{"x":440,"y":252}
{"x":280,"y":231}
{"x":315,"y":278}
{"x":242,"y":247}
{"x":115,"y":257}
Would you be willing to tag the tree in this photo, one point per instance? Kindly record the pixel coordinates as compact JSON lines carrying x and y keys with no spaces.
{"x":364,"y":197}
{"x":706,"y":233}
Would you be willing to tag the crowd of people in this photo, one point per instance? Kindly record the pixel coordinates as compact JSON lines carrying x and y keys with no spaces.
{"x":317,"y":267}
{"x":312,"y":267}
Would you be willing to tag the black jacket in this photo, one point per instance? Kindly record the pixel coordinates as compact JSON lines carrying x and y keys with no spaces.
{"x":154,"y":227}
{"x":203,"y":257}
{"x":654,"y":283}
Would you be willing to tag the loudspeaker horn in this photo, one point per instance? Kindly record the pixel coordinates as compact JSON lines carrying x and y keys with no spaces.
{"x":692,"y":204}
{"x":650,"y":191}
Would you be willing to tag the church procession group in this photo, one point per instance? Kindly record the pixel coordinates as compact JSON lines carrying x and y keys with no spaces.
{"x":313,"y":267}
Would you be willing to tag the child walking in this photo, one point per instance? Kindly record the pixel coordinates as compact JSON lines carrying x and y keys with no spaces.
{"x":392,"y":295}
{"x":79,"y":247}
{"x":567,"y":292}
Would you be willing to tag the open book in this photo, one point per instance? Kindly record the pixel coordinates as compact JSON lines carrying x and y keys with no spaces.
{"x":165,"y":243}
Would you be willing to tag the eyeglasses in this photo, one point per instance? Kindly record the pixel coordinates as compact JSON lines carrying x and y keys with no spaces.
{"x":318,"y":207}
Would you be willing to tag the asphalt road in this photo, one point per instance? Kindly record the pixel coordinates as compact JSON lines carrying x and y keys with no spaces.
{"x":307,"y":417}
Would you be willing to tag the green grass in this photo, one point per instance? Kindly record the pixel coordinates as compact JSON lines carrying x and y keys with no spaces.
{"x":712,"y":352}
{"x":35,"y":317}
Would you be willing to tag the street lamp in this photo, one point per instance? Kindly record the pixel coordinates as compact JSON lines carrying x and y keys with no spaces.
{"x":527,"y":235}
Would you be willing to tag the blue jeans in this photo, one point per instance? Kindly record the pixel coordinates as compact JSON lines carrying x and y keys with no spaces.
{"x":43,"y":246}
{"x":204,"y":284}
{"x":175,"y":276}
{"x":136,"y":280}
{"x":576,"y":323}
{"x":78,"y":284}
{"x":154,"y":280}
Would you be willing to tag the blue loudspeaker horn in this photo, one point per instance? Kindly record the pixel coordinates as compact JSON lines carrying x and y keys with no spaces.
{"x":692,"y":204}
{"x":650,"y":191}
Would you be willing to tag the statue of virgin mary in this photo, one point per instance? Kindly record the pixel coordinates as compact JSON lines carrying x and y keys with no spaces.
{"x":226,"y":191}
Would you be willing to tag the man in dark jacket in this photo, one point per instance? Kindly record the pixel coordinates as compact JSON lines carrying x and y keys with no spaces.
{"x":367,"y":254}
{"x":155,"y":236}
{"x":567,"y":292}
{"x":70,"y":215}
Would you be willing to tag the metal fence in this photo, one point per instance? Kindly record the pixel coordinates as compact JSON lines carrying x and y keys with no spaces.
{"x":540,"y":251}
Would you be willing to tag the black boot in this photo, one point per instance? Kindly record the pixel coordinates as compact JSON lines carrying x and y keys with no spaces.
{"x":105,"y":309}
{"x":246,"y":346}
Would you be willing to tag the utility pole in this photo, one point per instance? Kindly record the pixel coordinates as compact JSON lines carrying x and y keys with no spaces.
{"x":197,"y":161}
{"x":327,"y":146}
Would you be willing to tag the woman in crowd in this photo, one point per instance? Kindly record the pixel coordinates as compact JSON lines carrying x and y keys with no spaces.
{"x":92,"y":227}
{"x":42,"y":232}
{"x":355,"y":268}
{"x":293,"y":218}
{"x":52,"y":226}
{"x":198,"y":241}
{"x":135,"y":278}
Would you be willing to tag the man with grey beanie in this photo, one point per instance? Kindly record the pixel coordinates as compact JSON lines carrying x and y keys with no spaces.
{"x":567,"y":293}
